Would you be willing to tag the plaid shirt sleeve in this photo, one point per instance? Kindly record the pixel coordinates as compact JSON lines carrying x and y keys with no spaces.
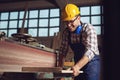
{"x":89,"y":39}
{"x":64,"y":44}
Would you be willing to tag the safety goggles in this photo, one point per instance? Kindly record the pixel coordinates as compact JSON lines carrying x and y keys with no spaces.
{"x":71,"y":21}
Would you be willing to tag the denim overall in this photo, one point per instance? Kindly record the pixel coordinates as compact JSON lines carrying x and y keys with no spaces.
{"x":92,"y":69}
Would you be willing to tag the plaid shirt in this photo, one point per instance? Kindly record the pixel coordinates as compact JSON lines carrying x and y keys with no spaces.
{"x":89,"y":40}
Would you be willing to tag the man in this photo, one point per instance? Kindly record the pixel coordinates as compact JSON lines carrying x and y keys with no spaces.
{"x":82,"y":39}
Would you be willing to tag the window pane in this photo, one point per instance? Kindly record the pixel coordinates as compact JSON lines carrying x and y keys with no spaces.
{"x":20,"y":23}
{"x":32,"y":32}
{"x":98,"y":29}
{"x":85,"y":10}
{"x":3,"y":24}
{"x":54,"y":12}
{"x":43,"y":22}
{"x":13,"y":24}
{"x":44,"y":13}
{"x":4,"y":16}
{"x":22,"y":14}
{"x":95,"y":10}
{"x":33,"y":14}
{"x":43,"y":32}
{"x":95,"y":20}
{"x":13,"y":15}
{"x":11,"y":31}
{"x":33,"y":23}
{"x":85,"y":19}
{"x":53,"y":30}
{"x":54,"y":22}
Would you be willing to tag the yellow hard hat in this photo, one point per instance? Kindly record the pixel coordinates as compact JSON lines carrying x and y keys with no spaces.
{"x":69,"y":12}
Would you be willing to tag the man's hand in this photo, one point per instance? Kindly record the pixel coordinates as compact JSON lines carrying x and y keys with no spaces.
{"x":81,"y":63}
{"x":76,"y":70}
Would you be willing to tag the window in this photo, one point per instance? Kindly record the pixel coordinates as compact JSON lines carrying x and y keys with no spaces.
{"x":93,"y":15}
{"x":40,"y":23}
{"x":45,"y":22}
{"x":48,"y":20}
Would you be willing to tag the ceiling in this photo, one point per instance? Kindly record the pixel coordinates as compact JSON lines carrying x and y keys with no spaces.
{"x":6,"y":5}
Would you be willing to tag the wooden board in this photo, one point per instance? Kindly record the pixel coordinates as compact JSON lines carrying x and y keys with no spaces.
{"x":69,"y":71}
{"x":47,"y":69}
{"x":42,"y":69}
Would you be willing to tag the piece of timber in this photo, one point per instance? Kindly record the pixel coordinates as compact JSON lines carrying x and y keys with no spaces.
{"x":14,"y":56}
{"x":42,"y":69}
{"x":69,"y":71}
{"x":47,"y":69}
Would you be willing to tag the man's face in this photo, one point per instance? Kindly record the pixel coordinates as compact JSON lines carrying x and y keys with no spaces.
{"x":72,"y":24}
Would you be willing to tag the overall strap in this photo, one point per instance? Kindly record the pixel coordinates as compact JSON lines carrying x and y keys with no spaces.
{"x":84,"y":26}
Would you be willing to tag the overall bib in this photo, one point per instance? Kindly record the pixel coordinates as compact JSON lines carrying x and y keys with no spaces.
{"x":92,"y":69}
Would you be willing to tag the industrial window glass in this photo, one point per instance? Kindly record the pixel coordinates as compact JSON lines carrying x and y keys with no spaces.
{"x":3,"y":24}
{"x":85,"y":10}
{"x":86,"y":19}
{"x":44,"y":13}
{"x":33,"y":23}
{"x":43,"y":22}
{"x":43,"y":32}
{"x":4,"y":16}
{"x":49,"y":19}
{"x":33,"y":14}
{"x":54,"y":12}
{"x":95,"y":20}
{"x":14,"y":15}
{"x":46,"y":22}
{"x":13,"y":24}
{"x":95,"y":10}
{"x":54,"y":22}
{"x":93,"y":15}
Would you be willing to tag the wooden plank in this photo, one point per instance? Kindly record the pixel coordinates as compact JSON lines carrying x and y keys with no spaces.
{"x":42,"y":69}
{"x":65,"y":73}
{"x":69,"y":71}
{"x":47,"y":69}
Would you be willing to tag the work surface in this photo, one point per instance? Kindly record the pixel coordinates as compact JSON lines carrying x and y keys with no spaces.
{"x":14,"y":56}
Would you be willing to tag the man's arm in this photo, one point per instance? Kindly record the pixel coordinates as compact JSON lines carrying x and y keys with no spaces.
{"x":63,"y":49}
{"x":82,"y":62}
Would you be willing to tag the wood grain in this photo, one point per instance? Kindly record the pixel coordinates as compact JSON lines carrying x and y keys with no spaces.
{"x":14,"y":56}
